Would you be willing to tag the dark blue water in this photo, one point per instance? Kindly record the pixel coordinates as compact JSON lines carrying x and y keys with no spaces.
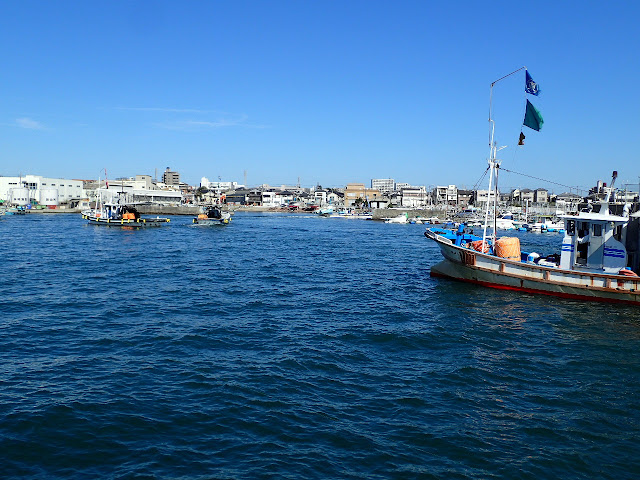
{"x":287,"y":346}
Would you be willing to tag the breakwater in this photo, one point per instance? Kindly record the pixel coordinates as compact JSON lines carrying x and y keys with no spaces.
{"x":193,"y":210}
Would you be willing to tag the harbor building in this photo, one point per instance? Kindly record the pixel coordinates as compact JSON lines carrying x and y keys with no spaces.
{"x":484,"y":196}
{"x":35,"y":189}
{"x":171,"y":178}
{"x":465,"y":197}
{"x":355,"y":191}
{"x":414,"y":197}
{"x":383,"y":185}
{"x":446,"y":195}
{"x":140,"y":188}
{"x":541,"y":195}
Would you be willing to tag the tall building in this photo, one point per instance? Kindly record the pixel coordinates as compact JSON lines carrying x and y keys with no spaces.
{"x":171,"y":178}
{"x":383,"y":185}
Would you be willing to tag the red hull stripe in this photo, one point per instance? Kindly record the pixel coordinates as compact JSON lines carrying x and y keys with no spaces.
{"x":498,"y":286}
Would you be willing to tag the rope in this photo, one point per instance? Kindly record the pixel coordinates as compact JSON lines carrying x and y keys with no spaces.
{"x":475,"y":187}
{"x":544,"y":180}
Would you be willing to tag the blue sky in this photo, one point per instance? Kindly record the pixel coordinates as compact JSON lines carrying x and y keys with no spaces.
{"x":329,"y":92}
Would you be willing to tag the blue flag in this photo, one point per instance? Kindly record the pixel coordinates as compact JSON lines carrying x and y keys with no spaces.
{"x":530,"y":86}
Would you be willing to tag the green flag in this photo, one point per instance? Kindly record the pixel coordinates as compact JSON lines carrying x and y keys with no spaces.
{"x":532,"y":118}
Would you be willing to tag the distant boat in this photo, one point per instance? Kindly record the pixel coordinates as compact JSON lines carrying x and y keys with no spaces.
{"x":402,"y":218}
{"x":348,"y":214}
{"x":115,"y":214}
{"x":212,"y":216}
{"x":326,"y":211}
{"x":19,"y":210}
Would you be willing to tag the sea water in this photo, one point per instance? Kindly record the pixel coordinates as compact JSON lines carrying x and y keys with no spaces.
{"x":293,"y":346}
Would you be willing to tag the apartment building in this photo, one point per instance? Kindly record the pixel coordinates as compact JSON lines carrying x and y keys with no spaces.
{"x":353,"y":191}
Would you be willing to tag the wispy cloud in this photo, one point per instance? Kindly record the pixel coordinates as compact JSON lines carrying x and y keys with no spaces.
{"x":29,"y":123}
{"x":198,"y":125}
{"x":192,"y":122}
{"x":166,"y":110}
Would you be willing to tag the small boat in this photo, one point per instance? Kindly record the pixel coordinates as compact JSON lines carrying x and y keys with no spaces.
{"x":19,"y":210}
{"x":326,"y":211}
{"x":348,"y":214}
{"x":599,"y":258}
{"x":212,"y":216}
{"x":506,"y":222}
{"x":402,"y":218}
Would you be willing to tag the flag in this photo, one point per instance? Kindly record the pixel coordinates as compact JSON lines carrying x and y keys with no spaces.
{"x":532,"y":118}
{"x":521,"y":139}
{"x":530,"y":86}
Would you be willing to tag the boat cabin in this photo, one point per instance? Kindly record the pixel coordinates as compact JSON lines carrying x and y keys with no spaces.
{"x":595,"y":242}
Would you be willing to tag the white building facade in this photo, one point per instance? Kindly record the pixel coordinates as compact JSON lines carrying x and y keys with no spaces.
{"x":383,"y":185}
{"x":32,"y":189}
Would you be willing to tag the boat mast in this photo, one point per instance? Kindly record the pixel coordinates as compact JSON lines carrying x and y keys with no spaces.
{"x":494,"y":165}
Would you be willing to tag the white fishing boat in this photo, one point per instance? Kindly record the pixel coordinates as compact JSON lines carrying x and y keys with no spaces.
{"x":212,"y":216}
{"x":599,"y":257}
{"x":117,"y":213}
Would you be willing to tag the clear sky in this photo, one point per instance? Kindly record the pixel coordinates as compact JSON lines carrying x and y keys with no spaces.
{"x":329,"y":92}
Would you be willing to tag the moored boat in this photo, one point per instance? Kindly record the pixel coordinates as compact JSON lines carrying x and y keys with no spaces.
{"x":594,"y":263}
{"x":19,"y":210}
{"x":599,"y":258}
{"x":402,"y":218}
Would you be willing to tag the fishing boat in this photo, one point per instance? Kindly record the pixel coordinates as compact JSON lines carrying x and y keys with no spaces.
{"x":599,"y":257}
{"x":117,"y":214}
{"x":212,"y":216}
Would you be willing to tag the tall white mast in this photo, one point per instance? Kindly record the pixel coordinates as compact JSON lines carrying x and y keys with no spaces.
{"x":494,"y":165}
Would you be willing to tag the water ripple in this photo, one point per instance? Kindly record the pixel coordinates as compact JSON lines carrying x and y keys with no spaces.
{"x":297,"y":347}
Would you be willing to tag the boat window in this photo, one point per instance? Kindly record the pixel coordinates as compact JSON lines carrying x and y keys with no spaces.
{"x":571,"y":227}
{"x":597,"y":230}
{"x":617,"y":233}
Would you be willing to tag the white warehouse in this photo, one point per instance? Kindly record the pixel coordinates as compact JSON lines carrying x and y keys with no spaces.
{"x":37,"y":189}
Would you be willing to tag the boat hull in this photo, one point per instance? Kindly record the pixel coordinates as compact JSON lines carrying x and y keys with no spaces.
{"x":467,"y":265}
{"x":211,"y":221}
{"x":128,"y":222}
